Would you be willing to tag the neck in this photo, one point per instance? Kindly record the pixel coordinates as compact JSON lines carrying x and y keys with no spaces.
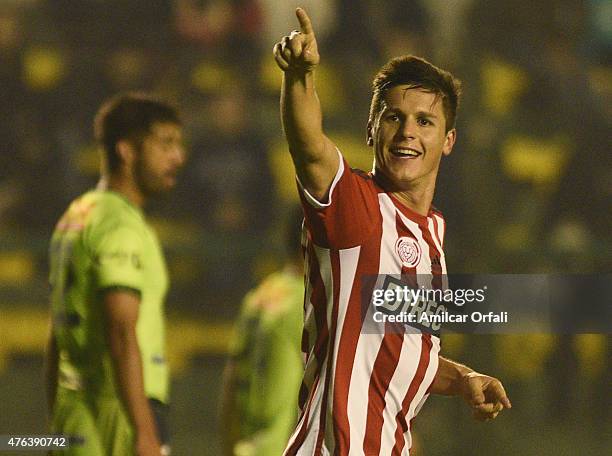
{"x":417,"y":196}
{"x":419,"y":200}
{"x":125,"y":186}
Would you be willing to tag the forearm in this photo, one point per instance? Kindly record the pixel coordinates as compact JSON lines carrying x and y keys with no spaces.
{"x":302,"y":117}
{"x":127,"y":364}
{"x":314,"y":156}
{"x":449,"y":377}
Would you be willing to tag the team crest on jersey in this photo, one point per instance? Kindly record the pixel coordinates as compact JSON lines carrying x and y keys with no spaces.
{"x":409,"y":251}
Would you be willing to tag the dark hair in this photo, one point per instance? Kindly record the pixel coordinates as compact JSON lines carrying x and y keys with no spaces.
{"x":418,"y":73}
{"x":129,"y":116}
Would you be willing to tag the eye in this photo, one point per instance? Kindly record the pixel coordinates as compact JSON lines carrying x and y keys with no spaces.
{"x":392,"y":117}
{"x":169,"y":142}
{"x":423,"y":121}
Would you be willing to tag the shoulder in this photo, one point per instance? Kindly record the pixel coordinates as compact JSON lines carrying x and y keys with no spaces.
{"x":435,"y":211}
{"x":362,"y":174}
{"x":110,"y":207}
{"x":273,"y":297}
{"x":113,"y":218}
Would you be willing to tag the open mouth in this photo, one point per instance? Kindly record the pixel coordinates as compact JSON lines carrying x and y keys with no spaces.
{"x":405,"y":152}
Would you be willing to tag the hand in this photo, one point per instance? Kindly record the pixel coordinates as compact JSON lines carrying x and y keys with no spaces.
{"x":147,"y":445}
{"x":298,"y":51}
{"x":486,"y":395}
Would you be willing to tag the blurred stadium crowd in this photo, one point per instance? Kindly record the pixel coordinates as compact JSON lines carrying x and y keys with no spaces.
{"x":527,"y":188}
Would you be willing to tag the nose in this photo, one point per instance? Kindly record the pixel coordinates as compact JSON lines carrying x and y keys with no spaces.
{"x":179,"y":155}
{"x":407,"y":129}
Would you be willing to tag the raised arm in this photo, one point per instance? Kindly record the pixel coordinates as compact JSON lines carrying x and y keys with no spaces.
{"x":121,"y":309}
{"x":314,"y":155}
{"x":485,"y":394}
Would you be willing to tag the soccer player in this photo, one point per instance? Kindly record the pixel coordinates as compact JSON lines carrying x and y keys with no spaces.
{"x":360,"y":391}
{"x":263,"y":375}
{"x":107,"y":372}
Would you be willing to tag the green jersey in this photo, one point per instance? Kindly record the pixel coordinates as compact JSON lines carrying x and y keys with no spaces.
{"x":268,"y":365}
{"x":103,"y":242}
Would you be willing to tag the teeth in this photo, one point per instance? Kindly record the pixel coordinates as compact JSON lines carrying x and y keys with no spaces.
{"x":408,"y":152}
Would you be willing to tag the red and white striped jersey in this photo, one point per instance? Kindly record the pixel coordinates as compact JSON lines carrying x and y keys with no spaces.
{"x":360,"y":391}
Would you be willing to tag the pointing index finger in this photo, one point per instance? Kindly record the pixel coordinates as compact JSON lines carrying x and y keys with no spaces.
{"x":304,"y":20}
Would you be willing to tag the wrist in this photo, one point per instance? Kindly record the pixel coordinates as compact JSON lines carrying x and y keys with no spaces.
{"x":302,"y":77}
{"x":461,"y":378}
{"x":463,"y":384}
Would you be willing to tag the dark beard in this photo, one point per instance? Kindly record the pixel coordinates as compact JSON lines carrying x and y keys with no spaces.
{"x":144,"y":181}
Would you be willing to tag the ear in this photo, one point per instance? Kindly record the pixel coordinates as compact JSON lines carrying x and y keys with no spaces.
{"x":126,"y":151}
{"x":449,"y":141}
{"x":369,"y":134}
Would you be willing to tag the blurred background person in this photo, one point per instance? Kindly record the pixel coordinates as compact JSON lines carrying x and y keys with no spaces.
{"x":108,"y":376}
{"x":264,"y":372}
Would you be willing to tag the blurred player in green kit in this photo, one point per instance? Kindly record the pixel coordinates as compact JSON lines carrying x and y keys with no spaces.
{"x":264,"y":372}
{"x":106,"y":372}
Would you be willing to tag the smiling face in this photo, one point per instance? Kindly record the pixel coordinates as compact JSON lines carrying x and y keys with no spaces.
{"x":160,"y":158}
{"x":409,"y":138}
